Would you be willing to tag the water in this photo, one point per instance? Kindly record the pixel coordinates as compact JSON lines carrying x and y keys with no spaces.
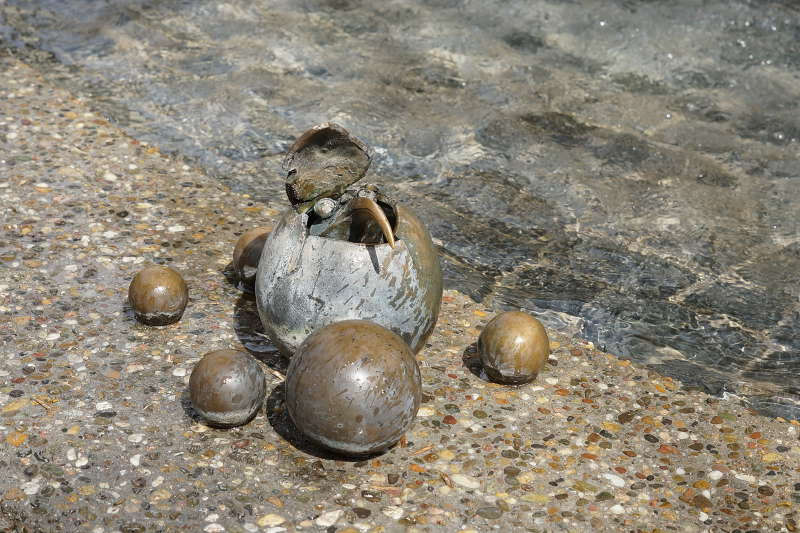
{"x":627,"y":170}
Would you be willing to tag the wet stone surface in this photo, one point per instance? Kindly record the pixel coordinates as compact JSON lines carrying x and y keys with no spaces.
{"x":626,"y":169}
{"x":97,"y":433}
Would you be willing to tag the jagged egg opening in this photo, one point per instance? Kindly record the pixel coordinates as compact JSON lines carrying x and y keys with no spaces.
{"x":354,"y":227}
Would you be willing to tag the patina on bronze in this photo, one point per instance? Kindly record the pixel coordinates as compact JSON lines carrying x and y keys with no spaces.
{"x":353,"y":387}
{"x":323,"y":162}
{"x":227,"y":388}
{"x":344,"y":252}
{"x":158,"y":295}
{"x":514,"y":348}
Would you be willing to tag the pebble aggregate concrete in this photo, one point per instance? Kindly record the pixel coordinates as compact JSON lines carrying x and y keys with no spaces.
{"x":97,"y":433}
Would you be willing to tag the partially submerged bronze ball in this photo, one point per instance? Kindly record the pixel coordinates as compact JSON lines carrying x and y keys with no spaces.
{"x":513,"y":348}
{"x":158,"y":296}
{"x":353,"y":387}
{"x":227,"y":387}
{"x":344,"y":253}
{"x":246,"y":254}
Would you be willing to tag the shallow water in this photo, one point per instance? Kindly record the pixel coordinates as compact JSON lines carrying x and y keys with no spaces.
{"x":627,"y":170}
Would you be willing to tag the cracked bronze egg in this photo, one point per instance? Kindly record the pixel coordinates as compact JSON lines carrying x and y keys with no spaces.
{"x":353,"y":387}
{"x":513,"y":347}
{"x":227,"y":387}
{"x":246,"y":254}
{"x":158,"y":296}
{"x":343,"y":251}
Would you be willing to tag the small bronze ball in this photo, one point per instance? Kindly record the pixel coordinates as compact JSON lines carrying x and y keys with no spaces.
{"x":227,"y":387}
{"x":513,"y":348}
{"x":353,"y":387}
{"x":246,"y":254}
{"x":158,"y":296}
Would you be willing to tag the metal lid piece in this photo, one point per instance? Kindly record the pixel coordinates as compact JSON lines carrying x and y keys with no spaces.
{"x":322,"y":163}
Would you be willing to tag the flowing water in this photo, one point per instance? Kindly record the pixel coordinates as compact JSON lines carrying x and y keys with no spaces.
{"x":628,"y":170}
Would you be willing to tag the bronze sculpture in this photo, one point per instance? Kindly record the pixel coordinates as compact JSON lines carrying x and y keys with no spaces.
{"x":344,"y":252}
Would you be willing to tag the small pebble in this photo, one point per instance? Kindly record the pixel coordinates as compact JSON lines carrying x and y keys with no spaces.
{"x":614,"y":480}
{"x":701,"y":501}
{"x":491,"y":513}
{"x":269,"y":520}
{"x":393,"y":511}
{"x":465,"y":481}
{"x":31,"y":488}
{"x":426,"y":411}
{"x":361,"y":512}
{"x":329,"y":518}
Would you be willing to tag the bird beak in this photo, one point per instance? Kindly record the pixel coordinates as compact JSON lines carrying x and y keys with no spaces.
{"x":368,"y":205}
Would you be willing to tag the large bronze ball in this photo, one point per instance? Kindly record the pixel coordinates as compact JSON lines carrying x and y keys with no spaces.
{"x":354,"y":387}
{"x":227,"y":387}
{"x":513,"y":348}
{"x":158,"y":296}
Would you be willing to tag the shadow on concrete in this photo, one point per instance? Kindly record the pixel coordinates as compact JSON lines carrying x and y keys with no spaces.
{"x":250,"y":333}
{"x":230,"y":275}
{"x":472,"y":362}
{"x":127,"y":312}
{"x":186,"y":403}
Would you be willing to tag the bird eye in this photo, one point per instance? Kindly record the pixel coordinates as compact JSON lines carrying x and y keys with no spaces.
{"x":324,"y":207}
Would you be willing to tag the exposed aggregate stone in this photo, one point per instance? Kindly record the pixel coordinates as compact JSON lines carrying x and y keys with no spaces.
{"x":98,"y":434}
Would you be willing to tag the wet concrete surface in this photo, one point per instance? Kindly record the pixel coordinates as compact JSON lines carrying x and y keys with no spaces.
{"x":626,"y":169}
{"x":98,"y":434}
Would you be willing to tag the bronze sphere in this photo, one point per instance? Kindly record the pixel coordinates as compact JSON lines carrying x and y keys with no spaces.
{"x":246,"y":254}
{"x":353,"y":387}
{"x":158,"y":296}
{"x":513,"y":348}
{"x":227,"y":387}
